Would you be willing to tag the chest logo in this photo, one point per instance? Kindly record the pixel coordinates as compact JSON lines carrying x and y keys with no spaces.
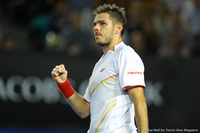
{"x":102,"y":69}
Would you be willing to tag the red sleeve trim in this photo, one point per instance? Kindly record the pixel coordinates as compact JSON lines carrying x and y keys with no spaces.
{"x":86,"y":100}
{"x":125,"y":90}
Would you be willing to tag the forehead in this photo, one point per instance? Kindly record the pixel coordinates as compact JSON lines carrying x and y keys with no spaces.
{"x":102,"y":17}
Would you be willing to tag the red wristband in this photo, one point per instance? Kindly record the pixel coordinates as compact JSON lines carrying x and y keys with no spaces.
{"x":66,"y":89}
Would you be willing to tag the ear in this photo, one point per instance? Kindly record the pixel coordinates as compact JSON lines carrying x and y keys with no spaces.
{"x":119,"y":28}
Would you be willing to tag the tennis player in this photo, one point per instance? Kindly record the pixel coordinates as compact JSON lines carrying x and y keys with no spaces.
{"x":114,"y":98}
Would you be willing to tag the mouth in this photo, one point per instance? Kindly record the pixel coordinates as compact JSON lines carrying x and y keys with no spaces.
{"x":97,"y":35}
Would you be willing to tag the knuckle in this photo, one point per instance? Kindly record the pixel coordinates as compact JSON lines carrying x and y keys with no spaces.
{"x":62,"y":66}
{"x":53,"y":73}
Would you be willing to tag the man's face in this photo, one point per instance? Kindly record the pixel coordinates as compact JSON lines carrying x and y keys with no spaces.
{"x":103,"y":29}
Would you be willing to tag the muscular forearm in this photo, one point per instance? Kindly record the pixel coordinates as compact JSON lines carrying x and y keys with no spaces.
{"x":79,"y":105}
{"x":141,"y":116}
{"x":76,"y":101}
{"x":137,"y":97}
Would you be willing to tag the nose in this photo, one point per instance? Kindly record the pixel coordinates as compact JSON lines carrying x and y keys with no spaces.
{"x":96,"y":27}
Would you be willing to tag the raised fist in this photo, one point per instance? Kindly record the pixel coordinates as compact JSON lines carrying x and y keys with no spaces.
{"x":59,"y":74}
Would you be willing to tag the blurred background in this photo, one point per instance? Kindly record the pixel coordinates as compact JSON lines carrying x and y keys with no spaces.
{"x":36,"y":35}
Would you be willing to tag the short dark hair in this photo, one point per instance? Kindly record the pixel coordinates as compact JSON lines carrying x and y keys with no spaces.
{"x":117,"y":13}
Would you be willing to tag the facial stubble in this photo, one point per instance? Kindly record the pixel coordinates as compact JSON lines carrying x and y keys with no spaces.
{"x":106,"y":43}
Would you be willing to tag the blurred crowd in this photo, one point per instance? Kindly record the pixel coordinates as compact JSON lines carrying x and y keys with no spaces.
{"x":156,"y":28}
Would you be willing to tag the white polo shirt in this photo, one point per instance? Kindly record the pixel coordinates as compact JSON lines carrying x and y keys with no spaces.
{"x":111,"y":108}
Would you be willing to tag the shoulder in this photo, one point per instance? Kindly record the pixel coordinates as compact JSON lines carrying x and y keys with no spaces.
{"x":126,"y":51}
{"x":126,"y":55}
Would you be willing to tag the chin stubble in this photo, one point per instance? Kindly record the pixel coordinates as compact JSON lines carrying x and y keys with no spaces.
{"x":102,"y":44}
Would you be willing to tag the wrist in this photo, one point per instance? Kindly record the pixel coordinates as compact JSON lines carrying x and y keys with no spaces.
{"x":66,"y":89}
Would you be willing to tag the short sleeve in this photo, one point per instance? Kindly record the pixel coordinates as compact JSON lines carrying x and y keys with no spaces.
{"x":131,"y":69}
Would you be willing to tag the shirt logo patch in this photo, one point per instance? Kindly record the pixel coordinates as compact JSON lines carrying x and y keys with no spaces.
{"x":102,"y":69}
{"x":134,"y":73}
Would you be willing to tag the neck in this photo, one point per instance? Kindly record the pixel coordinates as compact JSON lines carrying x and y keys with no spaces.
{"x":111,"y":45}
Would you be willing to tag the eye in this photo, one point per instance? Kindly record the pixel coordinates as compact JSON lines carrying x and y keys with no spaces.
{"x":94,"y":24}
{"x":102,"y":23}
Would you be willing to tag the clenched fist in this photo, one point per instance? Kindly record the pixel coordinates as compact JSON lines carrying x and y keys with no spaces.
{"x":59,"y":74}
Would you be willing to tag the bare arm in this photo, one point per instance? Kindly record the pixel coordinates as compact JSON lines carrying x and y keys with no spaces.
{"x":79,"y":105}
{"x":137,"y":96}
{"x":76,"y":101}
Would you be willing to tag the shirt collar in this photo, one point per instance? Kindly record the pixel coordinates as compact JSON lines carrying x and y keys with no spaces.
{"x":119,"y":45}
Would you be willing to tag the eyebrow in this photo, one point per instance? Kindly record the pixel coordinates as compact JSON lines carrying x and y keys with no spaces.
{"x":100,"y":21}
